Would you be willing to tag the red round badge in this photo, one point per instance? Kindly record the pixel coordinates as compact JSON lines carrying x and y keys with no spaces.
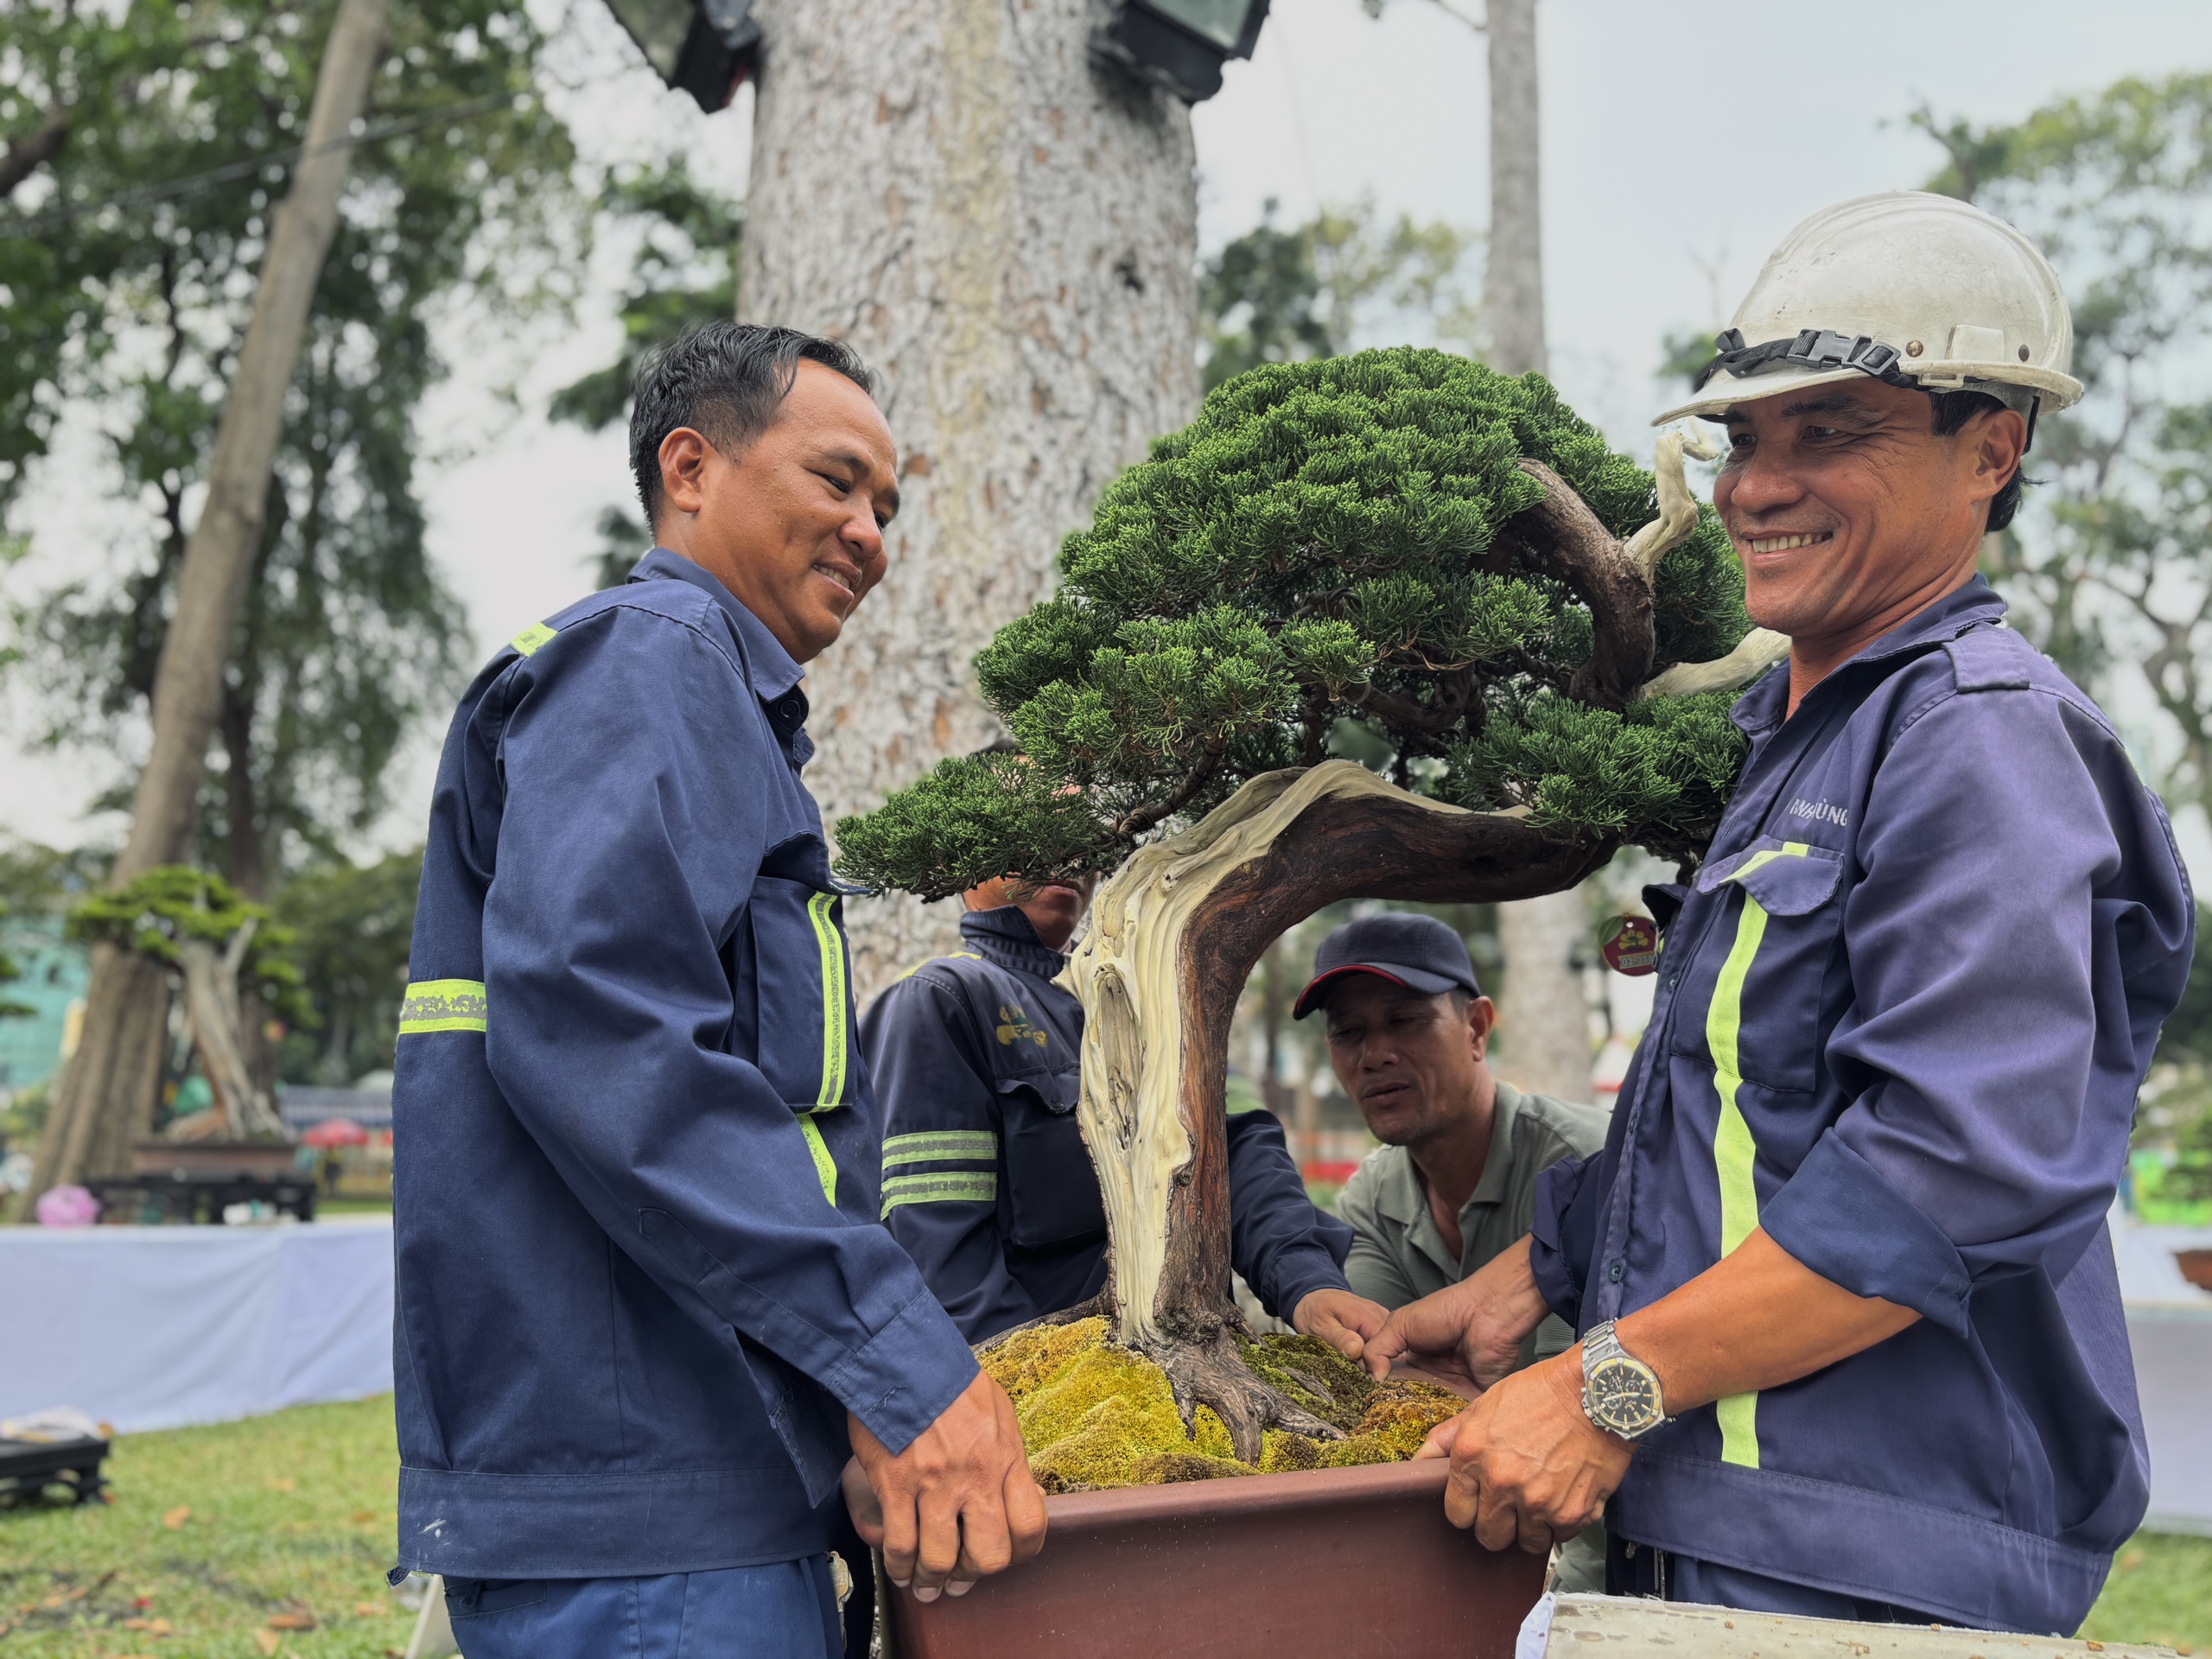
{"x":1630,"y":944}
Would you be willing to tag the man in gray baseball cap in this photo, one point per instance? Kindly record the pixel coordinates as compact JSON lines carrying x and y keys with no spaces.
{"x":1454,"y":1181}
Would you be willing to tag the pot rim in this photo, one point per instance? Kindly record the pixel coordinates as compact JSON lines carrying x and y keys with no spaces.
{"x":1242,"y":1495}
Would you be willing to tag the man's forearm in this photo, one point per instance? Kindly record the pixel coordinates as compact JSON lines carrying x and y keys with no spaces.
{"x":1756,"y":1319}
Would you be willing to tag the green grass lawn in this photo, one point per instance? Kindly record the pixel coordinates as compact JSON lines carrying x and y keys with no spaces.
{"x":292,"y":1514}
{"x":287,"y":1513}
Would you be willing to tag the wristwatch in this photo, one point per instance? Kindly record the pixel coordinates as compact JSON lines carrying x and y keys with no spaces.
{"x":1620,"y":1394}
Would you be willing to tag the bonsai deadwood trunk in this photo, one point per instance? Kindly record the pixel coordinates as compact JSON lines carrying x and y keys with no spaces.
{"x":1172,"y":937}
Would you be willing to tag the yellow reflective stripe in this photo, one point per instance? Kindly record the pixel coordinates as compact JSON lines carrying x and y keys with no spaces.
{"x":531,"y":638}
{"x":825,"y":1166}
{"x":934,"y":1145}
{"x":1733,"y":1149}
{"x":833,"y":1000}
{"x":443,"y":1005}
{"x":1760,"y":860}
{"x":951,"y":1186}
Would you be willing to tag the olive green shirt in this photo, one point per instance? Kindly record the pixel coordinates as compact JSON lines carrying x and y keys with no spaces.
{"x":1397,"y":1254}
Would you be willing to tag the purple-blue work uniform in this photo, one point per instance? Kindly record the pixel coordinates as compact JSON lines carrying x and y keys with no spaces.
{"x":986,"y":1180}
{"x":642,"y":1274}
{"x":1901,"y":1017}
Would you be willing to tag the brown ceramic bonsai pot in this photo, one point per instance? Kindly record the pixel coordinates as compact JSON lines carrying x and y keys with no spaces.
{"x":1325,"y":1561}
{"x":2195,"y":1267}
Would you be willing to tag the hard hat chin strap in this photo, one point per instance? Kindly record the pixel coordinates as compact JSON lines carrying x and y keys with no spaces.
{"x":1813,"y":348}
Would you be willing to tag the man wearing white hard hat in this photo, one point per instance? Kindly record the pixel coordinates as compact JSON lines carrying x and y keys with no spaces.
{"x":1851,"y":1341}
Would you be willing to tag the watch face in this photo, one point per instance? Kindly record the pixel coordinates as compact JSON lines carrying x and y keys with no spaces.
{"x":1624,"y":1396}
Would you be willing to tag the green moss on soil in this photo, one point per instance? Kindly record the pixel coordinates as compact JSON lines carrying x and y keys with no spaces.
{"x":1094,"y":1414}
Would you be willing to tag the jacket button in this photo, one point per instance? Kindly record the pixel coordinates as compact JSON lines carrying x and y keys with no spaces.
{"x":1614,"y":1272}
{"x":789,"y":709}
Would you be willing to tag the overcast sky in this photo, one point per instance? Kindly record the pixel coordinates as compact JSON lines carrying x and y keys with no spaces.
{"x":1678,"y":144}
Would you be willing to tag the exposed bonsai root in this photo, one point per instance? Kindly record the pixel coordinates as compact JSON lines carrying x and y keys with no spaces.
{"x":1213,"y":1373}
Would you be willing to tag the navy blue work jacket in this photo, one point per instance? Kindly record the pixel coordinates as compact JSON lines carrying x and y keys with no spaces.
{"x":642,"y":1274}
{"x":986,"y":1180}
{"x":1903,"y":1014}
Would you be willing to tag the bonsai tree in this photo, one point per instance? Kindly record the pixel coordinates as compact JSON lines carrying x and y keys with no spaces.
{"x":1542,"y":635}
{"x":210,"y":936}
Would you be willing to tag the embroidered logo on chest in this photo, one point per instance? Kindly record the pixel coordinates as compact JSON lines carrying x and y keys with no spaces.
{"x":1015,"y":1028}
{"x":1820,"y":812}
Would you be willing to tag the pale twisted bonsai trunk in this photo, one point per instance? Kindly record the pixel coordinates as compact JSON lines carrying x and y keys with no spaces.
{"x":1175,"y":932}
{"x":1171,"y":938}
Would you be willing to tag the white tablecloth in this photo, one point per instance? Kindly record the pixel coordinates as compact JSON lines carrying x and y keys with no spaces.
{"x":152,"y":1327}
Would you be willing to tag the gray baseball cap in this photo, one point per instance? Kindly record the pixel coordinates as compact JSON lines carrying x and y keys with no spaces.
{"x":1416,"y":952}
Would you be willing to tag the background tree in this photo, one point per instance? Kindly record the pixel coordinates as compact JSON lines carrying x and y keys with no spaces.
{"x":685,"y":273}
{"x":160,"y":202}
{"x":217,"y":942}
{"x":1345,"y":279}
{"x":1445,"y":558}
{"x":2106,"y":569}
{"x":351,"y":927}
{"x":1007,"y":228}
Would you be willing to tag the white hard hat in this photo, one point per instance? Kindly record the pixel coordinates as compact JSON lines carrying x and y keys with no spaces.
{"x":1911,"y":289}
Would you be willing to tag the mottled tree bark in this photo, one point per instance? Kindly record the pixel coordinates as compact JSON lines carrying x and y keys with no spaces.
{"x":1008,"y":232}
{"x":1543,"y":1040}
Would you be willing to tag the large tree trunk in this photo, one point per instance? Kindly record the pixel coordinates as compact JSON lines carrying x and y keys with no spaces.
{"x":1544,"y":1035}
{"x":97,"y":1100}
{"x":1008,"y":232}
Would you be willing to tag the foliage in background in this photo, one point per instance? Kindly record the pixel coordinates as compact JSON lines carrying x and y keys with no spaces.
{"x":685,"y":273}
{"x":36,"y":886}
{"x":348,"y":636}
{"x":351,"y":927}
{"x":157,"y":913}
{"x":2107,"y":569}
{"x":1345,"y":278}
{"x":1324,"y":544}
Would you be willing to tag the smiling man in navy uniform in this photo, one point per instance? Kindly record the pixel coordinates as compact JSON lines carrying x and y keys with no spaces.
{"x":646,"y":1309}
{"x":986,"y":1181}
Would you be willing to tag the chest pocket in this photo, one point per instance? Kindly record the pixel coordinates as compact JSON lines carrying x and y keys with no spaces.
{"x":1052,"y":1189}
{"x":801,"y":1033}
{"x":1760,"y":972}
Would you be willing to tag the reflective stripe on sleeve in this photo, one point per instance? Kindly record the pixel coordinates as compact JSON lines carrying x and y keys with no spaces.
{"x":932,"y":1145}
{"x":1734,"y":1152}
{"x":531,"y":638}
{"x":443,"y":1005}
{"x":947,"y":1187}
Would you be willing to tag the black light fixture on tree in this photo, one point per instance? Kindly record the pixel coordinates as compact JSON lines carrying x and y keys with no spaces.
{"x":704,"y":47}
{"x":1179,"y":44}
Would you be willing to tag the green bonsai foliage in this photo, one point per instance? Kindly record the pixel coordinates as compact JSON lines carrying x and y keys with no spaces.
{"x":1329,"y":542}
{"x":155,"y":914}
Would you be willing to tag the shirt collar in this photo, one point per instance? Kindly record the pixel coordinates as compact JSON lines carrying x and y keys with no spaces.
{"x":767,"y":663}
{"x":1489,"y":1186}
{"x":1006,"y":937}
{"x":1765,"y":704}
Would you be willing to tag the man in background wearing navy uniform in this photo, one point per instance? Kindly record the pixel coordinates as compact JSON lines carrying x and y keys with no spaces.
{"x":986,"y":1181}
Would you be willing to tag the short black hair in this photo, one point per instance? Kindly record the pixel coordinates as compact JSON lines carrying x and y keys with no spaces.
{"x":725,"y":380}
{"x":1953,"y":410}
